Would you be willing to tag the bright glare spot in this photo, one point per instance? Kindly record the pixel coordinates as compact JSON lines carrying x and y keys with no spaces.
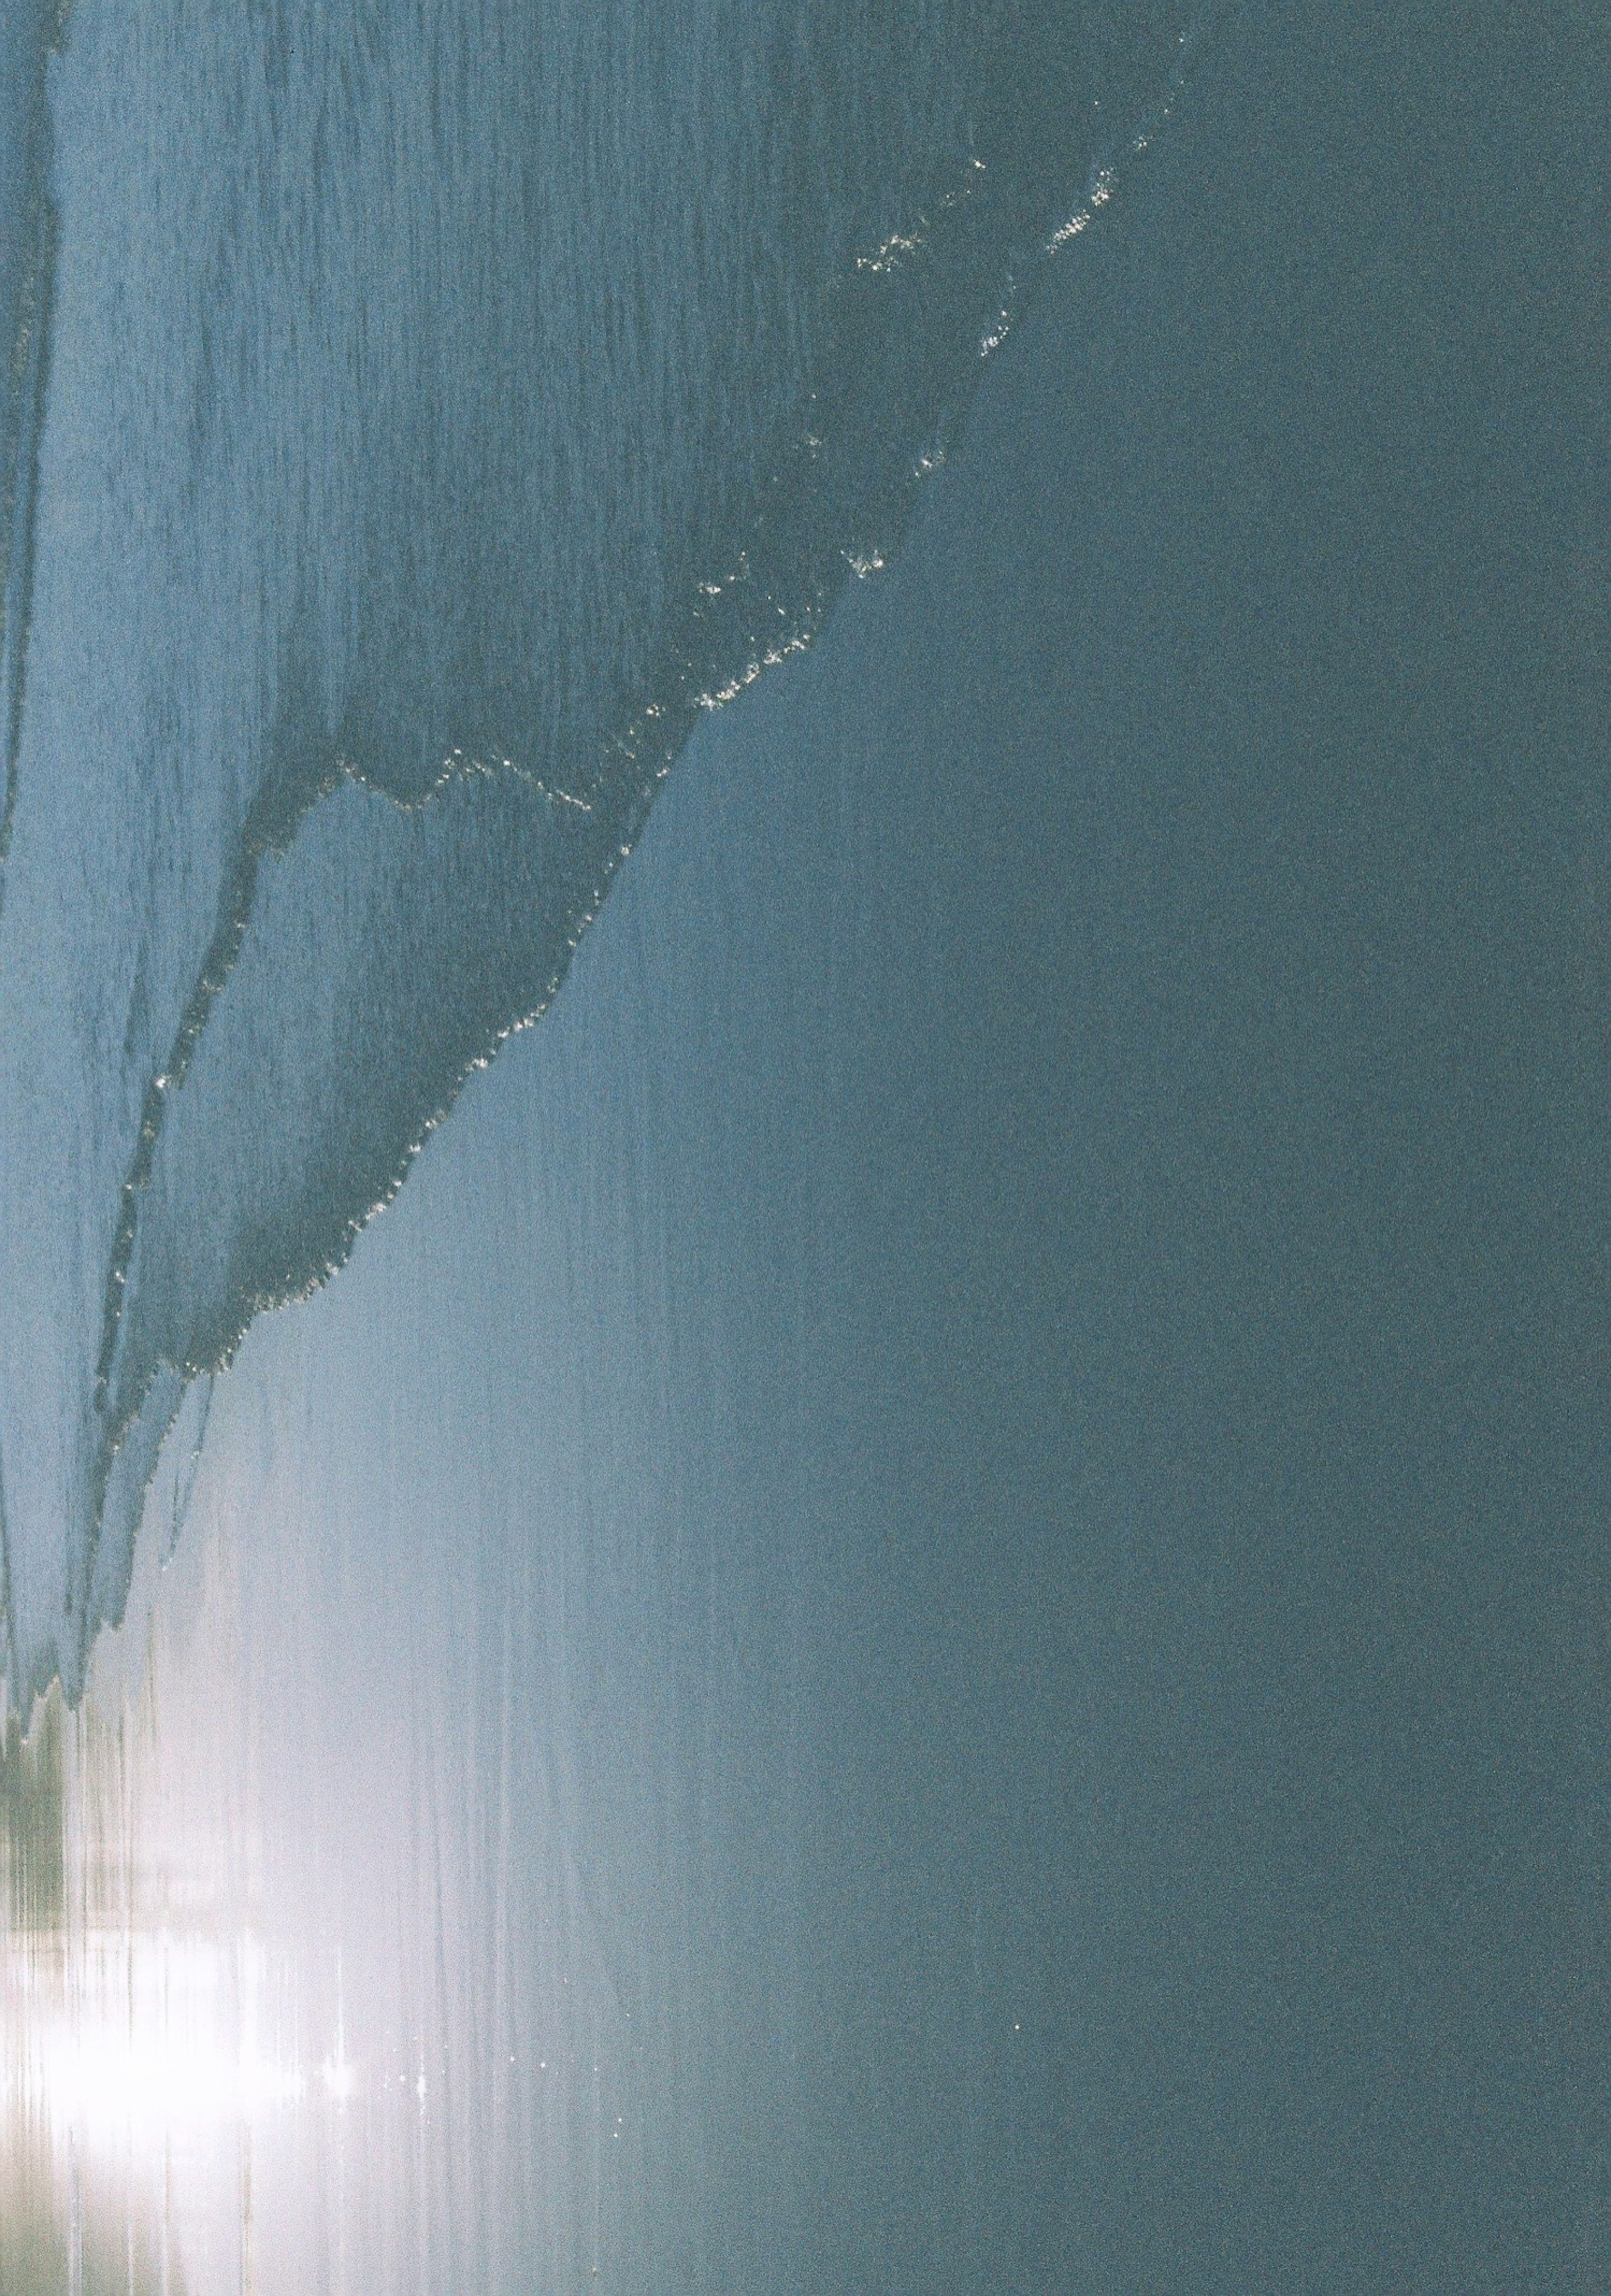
{"x":154,"y":2037}
{"x":113,"y":2085}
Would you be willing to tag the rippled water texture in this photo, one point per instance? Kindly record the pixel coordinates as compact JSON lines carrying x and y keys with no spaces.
{"x":444,"y":402}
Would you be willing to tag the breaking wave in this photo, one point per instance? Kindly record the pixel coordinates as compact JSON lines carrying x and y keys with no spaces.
{"x":446,"y":403}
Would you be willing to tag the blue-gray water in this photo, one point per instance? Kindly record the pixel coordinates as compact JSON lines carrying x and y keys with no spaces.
{"x":443,"y":404}
{"x":932,"y":1613}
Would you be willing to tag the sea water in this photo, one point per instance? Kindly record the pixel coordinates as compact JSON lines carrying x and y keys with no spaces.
{"x":415,"y":420}
{"x":445,"y":404}
{"x":931,"y":1612}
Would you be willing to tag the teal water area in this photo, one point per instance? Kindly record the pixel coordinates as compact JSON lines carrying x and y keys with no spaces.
{"x":932,"y":1613}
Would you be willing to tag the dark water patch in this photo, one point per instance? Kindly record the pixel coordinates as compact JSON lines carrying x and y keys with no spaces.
{"x":33,"y":1891}
{"x":28,"y":270}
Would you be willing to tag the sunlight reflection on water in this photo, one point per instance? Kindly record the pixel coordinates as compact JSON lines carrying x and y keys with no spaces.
{"x":152,"y":2047}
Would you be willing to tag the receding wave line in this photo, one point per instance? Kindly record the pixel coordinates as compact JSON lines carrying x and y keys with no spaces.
{"x":427,"y":832}
{"x":913,"y":320}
